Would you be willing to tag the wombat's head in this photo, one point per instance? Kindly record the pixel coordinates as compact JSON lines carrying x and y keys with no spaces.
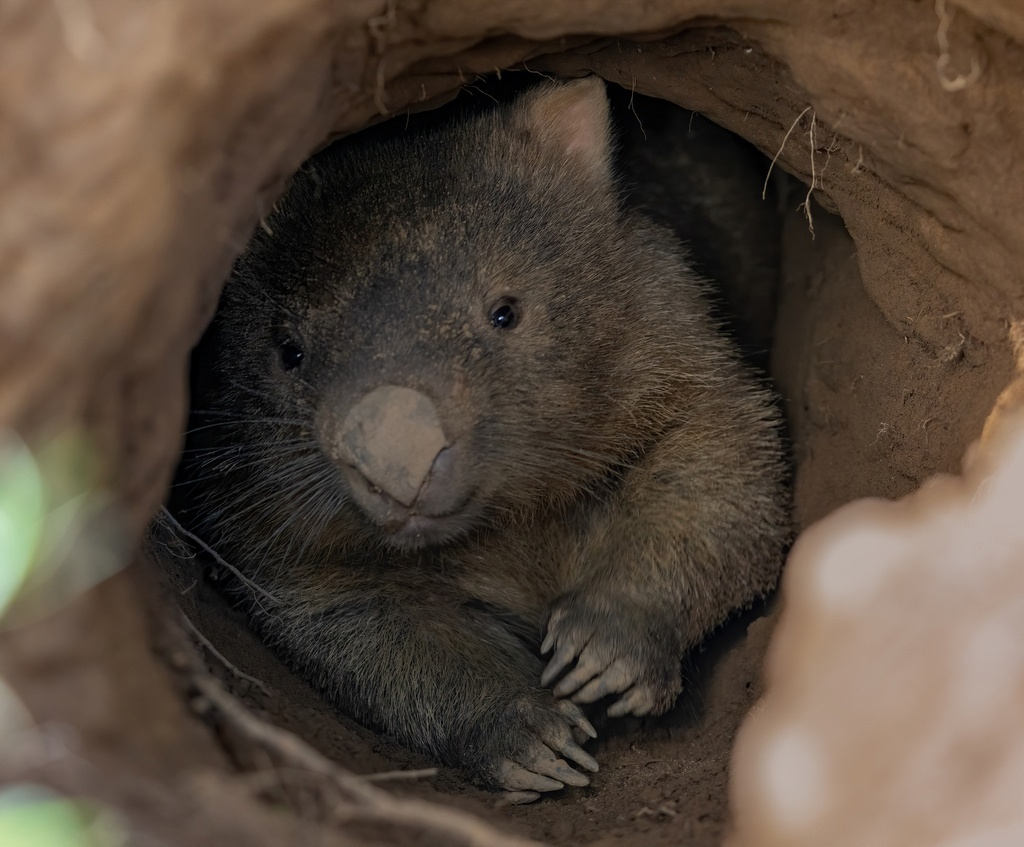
{"x":442,"y":331}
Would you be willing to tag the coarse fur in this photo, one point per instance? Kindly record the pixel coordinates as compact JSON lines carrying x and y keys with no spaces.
{"x":623,"y":473}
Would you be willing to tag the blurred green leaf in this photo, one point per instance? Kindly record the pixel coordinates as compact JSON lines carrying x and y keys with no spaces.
{"x":59,"y":533}
{"x":22,"y":512}
{"x":34,"y":817}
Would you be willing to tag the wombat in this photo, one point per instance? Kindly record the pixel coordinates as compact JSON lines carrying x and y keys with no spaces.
{"x":460,"y":409}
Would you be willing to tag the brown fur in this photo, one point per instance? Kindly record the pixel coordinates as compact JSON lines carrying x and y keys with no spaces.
{"x":625,"y":474}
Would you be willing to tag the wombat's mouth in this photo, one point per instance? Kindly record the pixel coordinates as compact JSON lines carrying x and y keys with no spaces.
{"x":428,"y":530}
{"x":410,"y":527}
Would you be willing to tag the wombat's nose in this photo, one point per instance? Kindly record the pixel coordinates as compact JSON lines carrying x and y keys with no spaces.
{"x":393,"y":435}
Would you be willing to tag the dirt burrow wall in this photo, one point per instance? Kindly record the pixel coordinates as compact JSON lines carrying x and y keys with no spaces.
{"x":142,"y":142}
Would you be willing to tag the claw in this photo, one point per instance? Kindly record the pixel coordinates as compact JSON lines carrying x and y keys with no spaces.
{"x":541,"y":760}
{"x":576,"y":717}
{"x":587,"y":668}
{"x":559,"y":662}
{"x":569,"y":775}
{"x":516,"y":777}
{"x":638,"y":701}
{"x":580,"y":756}
{"x":518,"y":798}
{"x":563,"y":742}
{"x":616,"y":678}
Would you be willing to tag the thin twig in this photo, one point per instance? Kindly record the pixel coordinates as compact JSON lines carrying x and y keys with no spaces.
{"x":538,"y":73}
{"x":632,"y":108}
{"x":396,"y":776}
{"x":213,"y":651}
{"x":810,"y":189}
{"x":165,"y":515}
{"x":785,"y":138}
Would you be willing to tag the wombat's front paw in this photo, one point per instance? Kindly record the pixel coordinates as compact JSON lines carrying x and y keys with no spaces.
{"x":532,"y":741}
{"x":619,"y":648}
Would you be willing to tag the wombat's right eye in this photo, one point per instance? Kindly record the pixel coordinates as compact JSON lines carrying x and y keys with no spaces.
{"x":503,"y":314}
{"x":291,"y":355}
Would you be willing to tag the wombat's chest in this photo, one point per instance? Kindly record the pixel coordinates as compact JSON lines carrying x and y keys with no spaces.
{"x":521,"y":570}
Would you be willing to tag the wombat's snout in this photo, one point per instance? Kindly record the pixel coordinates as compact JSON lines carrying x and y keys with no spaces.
{"x":401,"y":467}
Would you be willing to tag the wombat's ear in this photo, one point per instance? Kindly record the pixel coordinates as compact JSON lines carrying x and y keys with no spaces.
{"x":571,"y":119}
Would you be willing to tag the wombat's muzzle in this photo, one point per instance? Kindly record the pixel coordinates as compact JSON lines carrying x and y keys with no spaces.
{"x":401,"y":467}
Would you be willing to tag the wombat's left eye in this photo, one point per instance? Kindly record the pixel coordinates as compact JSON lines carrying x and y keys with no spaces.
{"x":503,"y":315}
{"x":291,"y":356}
